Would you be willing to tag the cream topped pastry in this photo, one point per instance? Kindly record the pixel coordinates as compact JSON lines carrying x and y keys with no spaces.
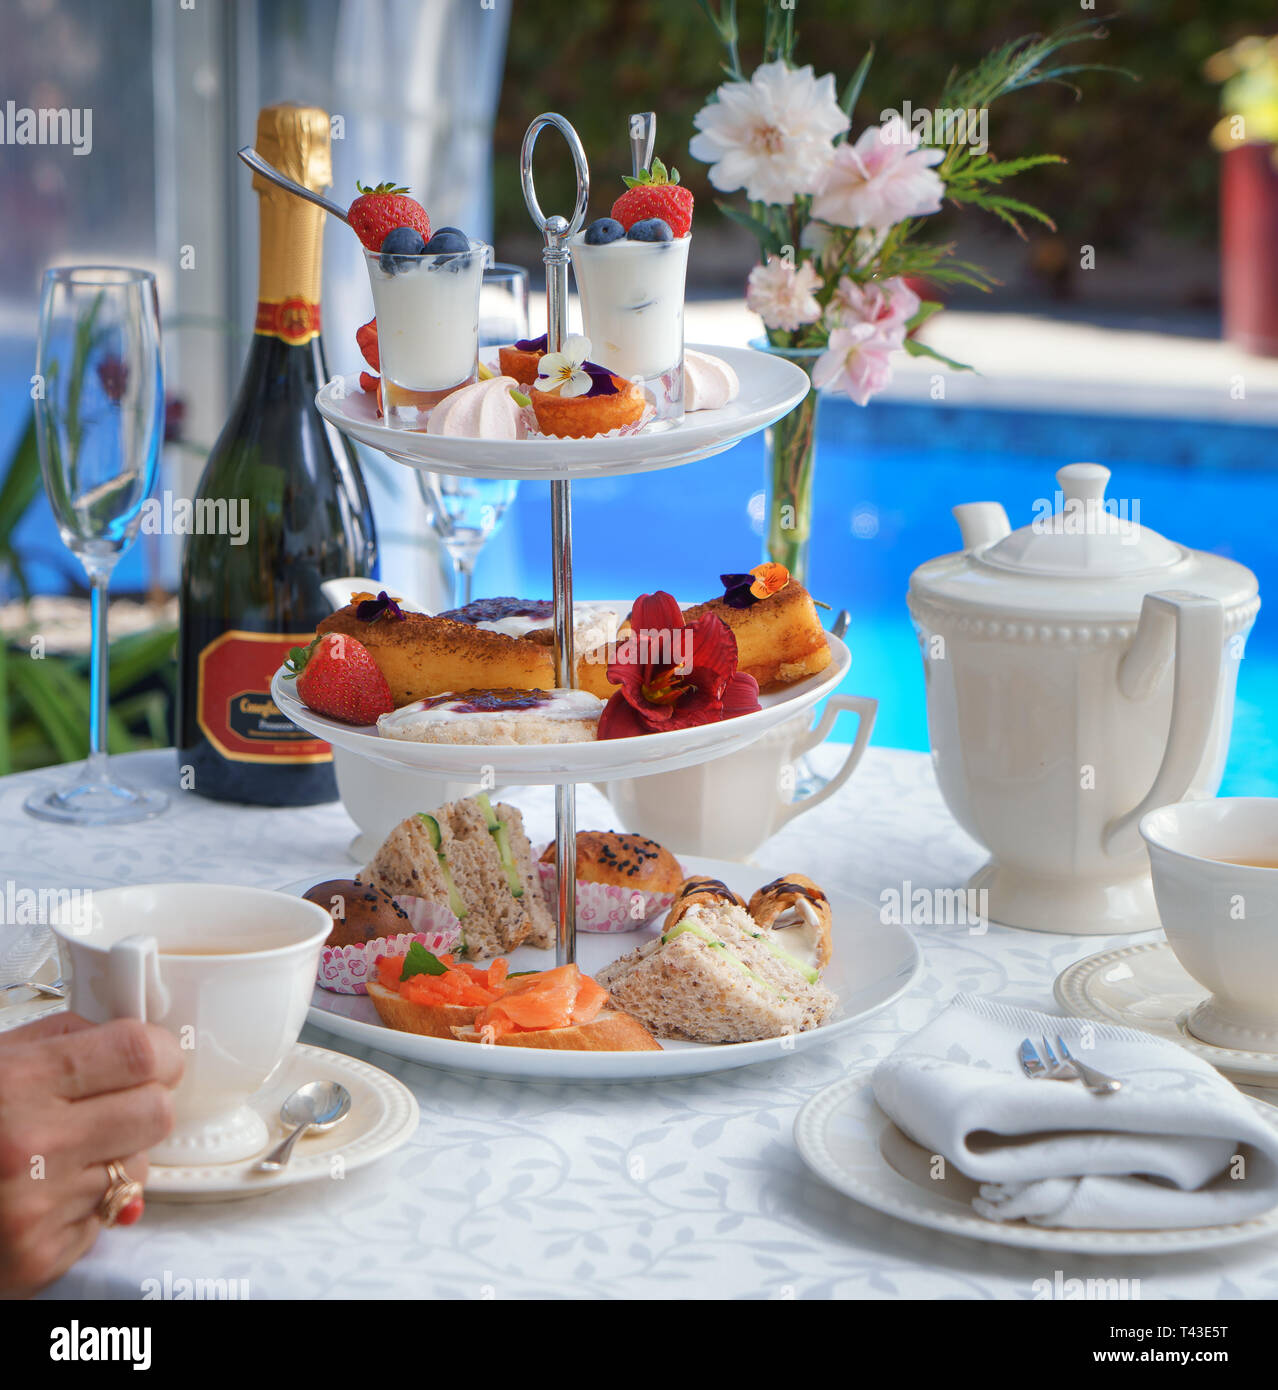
{"x":708,"y":382}
{"x":482,"y":410}
{"x":496,"y":716}
{"x":594,"y":624}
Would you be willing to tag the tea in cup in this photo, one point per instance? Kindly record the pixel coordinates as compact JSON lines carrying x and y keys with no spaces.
{"x":227,"y":970}
{"x":1215,"y":872}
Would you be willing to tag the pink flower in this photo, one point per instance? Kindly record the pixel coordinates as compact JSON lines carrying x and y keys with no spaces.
{"x":881,"y":180}
{"x":857,"y":363}
{"x":782,"y":294}
{"x":886,"y":305}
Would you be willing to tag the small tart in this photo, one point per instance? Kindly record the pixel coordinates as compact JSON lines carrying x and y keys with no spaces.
{"x":520,"y":363}
{"x":582,"y":417}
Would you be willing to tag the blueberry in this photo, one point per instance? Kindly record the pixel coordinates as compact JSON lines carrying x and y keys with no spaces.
{"x":447,"y":239}
{"x":398,"y":243}
{"x":651,"y":229}
{"x":603,"y":230}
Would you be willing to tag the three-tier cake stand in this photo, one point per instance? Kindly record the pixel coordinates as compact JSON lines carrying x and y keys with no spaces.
{"x":770,"y":387}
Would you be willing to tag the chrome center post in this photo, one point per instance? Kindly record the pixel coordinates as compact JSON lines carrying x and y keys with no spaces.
{"x":557,"y":255}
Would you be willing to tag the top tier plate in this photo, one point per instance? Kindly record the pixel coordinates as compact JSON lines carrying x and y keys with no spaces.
{"x":770,"y":387}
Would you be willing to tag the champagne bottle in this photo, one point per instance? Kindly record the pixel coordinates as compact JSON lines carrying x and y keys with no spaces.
{"x":251,"y":593}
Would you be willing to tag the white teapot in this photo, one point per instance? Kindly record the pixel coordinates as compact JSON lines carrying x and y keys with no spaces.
{"x":1080,"y":671}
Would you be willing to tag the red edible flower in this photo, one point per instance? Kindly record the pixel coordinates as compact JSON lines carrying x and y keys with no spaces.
{"x":673,"y":674}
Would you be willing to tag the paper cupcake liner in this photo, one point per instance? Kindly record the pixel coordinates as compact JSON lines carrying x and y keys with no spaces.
{"x":632,"y":428}
{"x":607,"y":907}
{"x":345,"y":969}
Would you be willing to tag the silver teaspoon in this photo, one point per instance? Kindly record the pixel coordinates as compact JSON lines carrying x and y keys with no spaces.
{"x":317,"y":1105}
{"x":268,"y":171}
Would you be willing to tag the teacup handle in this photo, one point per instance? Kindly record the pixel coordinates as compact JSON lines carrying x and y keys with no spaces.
{"x":133,"y":979}
{"x":864,"y":706}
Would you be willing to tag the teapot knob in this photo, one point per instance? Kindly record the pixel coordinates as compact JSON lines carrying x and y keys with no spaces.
{"x":1083,"y":482}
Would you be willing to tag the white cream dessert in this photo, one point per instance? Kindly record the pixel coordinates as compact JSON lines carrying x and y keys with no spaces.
{"x":497,"y":716}
{"x":594,"y":624}
{"x":632,"y":302}
{"x":482,"y":410}
{"x":708,"y":382}
{"x":427,"y":311}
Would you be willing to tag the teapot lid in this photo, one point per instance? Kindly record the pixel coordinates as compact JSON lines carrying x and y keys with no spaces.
{"x":1084,"y":535}
{"x":1080,"y":558}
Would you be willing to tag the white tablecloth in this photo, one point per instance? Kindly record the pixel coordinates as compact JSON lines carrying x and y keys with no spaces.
{"x":691,"y":1188}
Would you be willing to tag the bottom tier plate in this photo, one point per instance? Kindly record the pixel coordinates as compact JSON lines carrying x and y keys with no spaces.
{"x":873,"y":964}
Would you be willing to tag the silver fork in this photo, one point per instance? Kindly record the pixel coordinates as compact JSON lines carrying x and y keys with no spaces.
{"x":1055,"y":1069}
{"x":1096,"y":1081}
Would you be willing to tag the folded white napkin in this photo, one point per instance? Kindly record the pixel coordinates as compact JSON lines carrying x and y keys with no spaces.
{"x":1178,"y":1146}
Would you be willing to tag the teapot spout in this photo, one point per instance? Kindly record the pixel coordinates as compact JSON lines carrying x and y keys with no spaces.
{"x":981,"y":523}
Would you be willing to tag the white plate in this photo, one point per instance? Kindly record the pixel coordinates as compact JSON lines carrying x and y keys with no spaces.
{"x":594,"y":761}
{"x":873,"y":964}
{"x":19,"y":1007}
{"x":1144,"y":986}
{"x":383,"y":1116}
{"x":770,"y":386}
{"x":849,"y":1142}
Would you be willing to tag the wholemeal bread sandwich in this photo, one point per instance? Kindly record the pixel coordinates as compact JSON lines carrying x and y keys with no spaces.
{"x":716,"y":976}
{"x":475,"y":857}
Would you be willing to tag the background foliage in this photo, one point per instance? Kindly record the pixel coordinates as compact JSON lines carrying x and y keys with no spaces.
{"x":1139,"y":155}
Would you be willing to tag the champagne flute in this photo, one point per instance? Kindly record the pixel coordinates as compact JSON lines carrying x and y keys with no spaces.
{"x":464,"y":513}
{"x":99,"y":425}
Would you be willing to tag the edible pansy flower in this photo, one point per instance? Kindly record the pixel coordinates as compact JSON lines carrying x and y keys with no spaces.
{"x":570,"y":372}
{"x":368,"y":609}
{"x":674,"y":674}
{"x":745,"y":590}
{"x":531,"y":344}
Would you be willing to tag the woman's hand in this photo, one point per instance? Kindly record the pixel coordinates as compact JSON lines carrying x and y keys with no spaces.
{"x":73,"y":1096}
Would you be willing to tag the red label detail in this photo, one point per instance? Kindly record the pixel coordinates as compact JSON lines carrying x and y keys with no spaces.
{"x":235,"y":709}
{"x":294,"y":320}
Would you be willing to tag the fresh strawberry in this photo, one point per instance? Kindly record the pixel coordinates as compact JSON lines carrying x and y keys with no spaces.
{"x":338,"y":678}
{"x":369,"y":382}
{"x":366,"y":337}
{"x":378,"y":209}
{"x":655,"y":193}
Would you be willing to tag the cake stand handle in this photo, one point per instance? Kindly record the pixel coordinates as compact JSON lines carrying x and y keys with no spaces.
{"x":557,"y":255}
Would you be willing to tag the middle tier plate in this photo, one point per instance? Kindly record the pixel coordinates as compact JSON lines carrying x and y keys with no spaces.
{"x":596,"y":761}
{"x":770,"y":387}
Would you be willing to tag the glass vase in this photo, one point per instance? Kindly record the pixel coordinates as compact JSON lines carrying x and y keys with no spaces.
{"x":790,"y":460}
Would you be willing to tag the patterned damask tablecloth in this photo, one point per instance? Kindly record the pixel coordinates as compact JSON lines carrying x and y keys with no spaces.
{"x":689,"y":1188}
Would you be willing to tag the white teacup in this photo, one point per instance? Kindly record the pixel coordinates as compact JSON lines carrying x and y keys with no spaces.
{"x":377,"y":798}
{"x":227,"y":970}
{"x":727,"y":808}
{"x":1220,"y":915}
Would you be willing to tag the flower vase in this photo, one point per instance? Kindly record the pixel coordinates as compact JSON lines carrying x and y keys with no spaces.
{"x":790,"y":455}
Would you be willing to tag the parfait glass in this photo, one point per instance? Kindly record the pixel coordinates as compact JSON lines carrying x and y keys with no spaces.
{"x":466,"y":512}
{"x":99,"y":424}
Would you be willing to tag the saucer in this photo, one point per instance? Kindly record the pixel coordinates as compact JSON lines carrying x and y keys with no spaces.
{"x":850,"y":1143}
{"x":383,"y":1116}
{"x":1144,"y":986}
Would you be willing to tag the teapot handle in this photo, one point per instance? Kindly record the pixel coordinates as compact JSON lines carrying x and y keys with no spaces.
{"x":1194,"y":628}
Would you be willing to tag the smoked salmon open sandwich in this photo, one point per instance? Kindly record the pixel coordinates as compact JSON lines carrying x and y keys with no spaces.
{"x":560,"y":1009}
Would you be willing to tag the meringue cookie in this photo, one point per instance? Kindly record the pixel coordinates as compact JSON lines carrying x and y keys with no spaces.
{"x":482,"y":410}
{"x":708,"y":382}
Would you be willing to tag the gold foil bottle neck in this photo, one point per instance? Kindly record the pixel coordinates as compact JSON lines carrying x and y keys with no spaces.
{"x":295,"y":139}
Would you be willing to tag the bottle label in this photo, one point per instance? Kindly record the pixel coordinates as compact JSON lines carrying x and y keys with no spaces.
{"x":293,"y":320}
{"x":235,"y":709}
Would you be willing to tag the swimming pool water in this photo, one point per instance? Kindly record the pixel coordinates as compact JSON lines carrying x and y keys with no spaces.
{"x":886,"y":478}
